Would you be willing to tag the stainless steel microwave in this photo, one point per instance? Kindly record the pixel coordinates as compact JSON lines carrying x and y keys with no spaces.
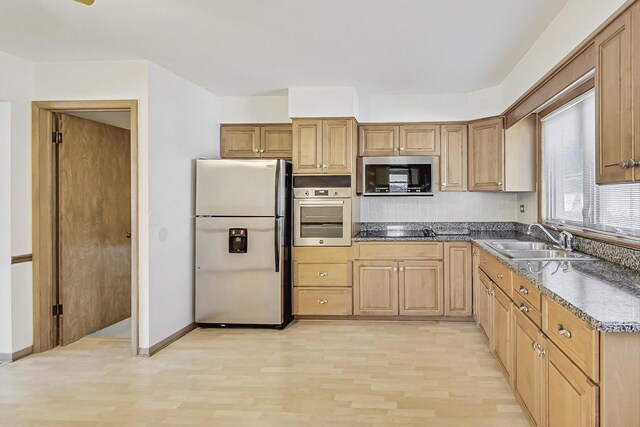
{"x":395,"y":176}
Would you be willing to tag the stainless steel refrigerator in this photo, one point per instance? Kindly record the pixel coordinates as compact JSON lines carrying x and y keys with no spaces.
{"x":243,"y":242}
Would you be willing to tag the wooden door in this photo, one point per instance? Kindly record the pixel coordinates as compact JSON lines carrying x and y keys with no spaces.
{"x":376,"y":288}
{"x":307,"y":146}
{"x":276,"y":142}
{"x":476,"y":281}
{"x":94,"y":196}
{"x":239,"y":141}
{"x":484,"y":305}
{"x":421,"y":286}
{"x":420,"y":140}
{"x":453,"y":158}
{"x":379,"y":140}
{"x":457,"y":279}
{"x":501,"y":324}
{"x":528,"y":367}
{"x":486,"y":155}
{"x":613,"y":87}
{"x":571,"y":398}
{"x":337,"y":141}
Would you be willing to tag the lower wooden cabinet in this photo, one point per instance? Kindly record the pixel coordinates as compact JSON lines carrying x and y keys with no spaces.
{"x":322,"y":301}
{"x":501,"y":311}
{"x":571,"y":397}
{"x":528,"y":371}
{"x":457,"y":279}
{"x":420,"y":287}
{"x":376,"y":288}
{"x":485,"y":289}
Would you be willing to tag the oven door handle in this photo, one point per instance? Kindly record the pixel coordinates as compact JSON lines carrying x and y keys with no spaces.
{"x":321,"y":203}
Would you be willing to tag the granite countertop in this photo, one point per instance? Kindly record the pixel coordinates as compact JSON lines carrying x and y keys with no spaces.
{"x":603,"y":294}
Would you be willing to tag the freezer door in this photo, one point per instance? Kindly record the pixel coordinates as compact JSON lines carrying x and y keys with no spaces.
{"x":239,"y":287}
{"x":240,"y":187}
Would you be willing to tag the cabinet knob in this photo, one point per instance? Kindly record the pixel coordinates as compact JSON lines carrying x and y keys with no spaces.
{"x":324,"y":166}
{"x":323,"y":274}
{"x":631,"y":163}
{"x":444,"y":184}
{"x":401,"y":268}
{"x":395,"y":269}
{"x":322,"y":301}
{"x":499,"y":182}
{"x":318,"y":165}
{"x":255,"y":150}
{"x":564,"y":332}
{"x":401,"y":149}
{"x":262,"y":150}
{"x":523,"y":290}
{"x":500,"y":276}
{"x":523,"y":308}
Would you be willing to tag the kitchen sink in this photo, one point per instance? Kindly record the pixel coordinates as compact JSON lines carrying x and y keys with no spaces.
{"x":537,"y":251}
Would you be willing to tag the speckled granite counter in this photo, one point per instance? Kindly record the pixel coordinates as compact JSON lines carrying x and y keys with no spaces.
{"x":605,"y":295}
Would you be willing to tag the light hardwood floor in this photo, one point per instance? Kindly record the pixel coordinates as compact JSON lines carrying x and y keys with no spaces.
{"x":329,"y":373}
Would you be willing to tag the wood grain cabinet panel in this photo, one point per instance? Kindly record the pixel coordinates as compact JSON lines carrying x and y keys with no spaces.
{"x":307,"y":146}
{"x":337,"y":146}
{"x":501,"y":311}
{"x":453,"y":158}
{"x":376,"y":288}
{"x":486,"y":155}
{"x":378,"y":140}
{"x":322,"y":274}
{"x":240,"y":142}
{"x":421,"y":286}
{"x":419,"y":140}
{"x":322,"y":301}
{"x":571,"y":398}
{"x":276,"y":142}
{"x":614,"y":115}
{"x":485,"y":300}
{"x":457,"y":279}
{"x":528,"y":371}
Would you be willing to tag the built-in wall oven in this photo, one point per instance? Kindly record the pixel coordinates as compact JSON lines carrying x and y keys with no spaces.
{"x":322,"y":211}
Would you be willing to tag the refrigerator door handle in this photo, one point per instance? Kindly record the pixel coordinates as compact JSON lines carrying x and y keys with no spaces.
{"x":277,"y":203}
{"x":276,"y":241}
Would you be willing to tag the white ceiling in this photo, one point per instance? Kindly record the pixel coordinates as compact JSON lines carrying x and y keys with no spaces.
{"x":251,"y":47}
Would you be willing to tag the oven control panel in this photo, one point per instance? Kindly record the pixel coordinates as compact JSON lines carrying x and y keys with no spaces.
{"x":314,"y":193}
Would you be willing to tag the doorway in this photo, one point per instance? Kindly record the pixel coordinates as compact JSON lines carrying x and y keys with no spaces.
{"x":85,"y":246}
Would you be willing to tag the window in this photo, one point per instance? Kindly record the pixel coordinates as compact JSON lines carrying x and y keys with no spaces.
{"x":569,"y":194}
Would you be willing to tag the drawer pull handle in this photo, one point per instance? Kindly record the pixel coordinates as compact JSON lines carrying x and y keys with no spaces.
{"x":322,"y":301}
{"x":323,"y":274}
{"x":500,"y":276}
{"x":563,"y":332}
{"x":524,"y":291}
{"x":523,"y":308}
{"x":483,"y":261}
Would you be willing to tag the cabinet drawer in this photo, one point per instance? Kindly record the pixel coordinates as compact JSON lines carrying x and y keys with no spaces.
{"x":497,"y":272}
{"x":401,"y":251}
{"x":527,"y":291}
{"x":572,"y":336}
{"x":322,"y":274}
{"x":527,"y":309}
{"x":322,"y":301}
{"x":324,"y":255}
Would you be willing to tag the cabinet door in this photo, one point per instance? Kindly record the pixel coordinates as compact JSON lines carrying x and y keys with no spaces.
{"x":614,"y":138}
{"x":276,"y":142}
{"x":501,"y":324}
{"x":376,"y":288}
{"x":453,"y":158}
{"x":420,"y":140}
{"x":484,"y":305}
{"x":379,"y":140}
{"x":528,"y":367}
{"x":239,"y":142}
{"x":571,"y":398}
{"x":307,"y":146}
{"x":421,"y":287}
{"x":476,"y":281}
{"x":457,"y":279}
{"x":486,"y":155}
{"x":337,"y":141}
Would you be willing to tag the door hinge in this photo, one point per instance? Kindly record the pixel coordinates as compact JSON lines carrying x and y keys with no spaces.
{"x":57,"y":310}
{"x":56,"y":137}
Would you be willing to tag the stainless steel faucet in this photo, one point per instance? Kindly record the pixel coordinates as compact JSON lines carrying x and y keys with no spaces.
{"x":564,"y":240}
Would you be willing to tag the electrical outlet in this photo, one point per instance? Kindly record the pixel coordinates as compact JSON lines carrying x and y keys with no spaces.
{"x":521,"y":208}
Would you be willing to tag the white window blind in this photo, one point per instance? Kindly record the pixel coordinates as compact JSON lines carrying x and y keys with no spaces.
{"x":570,"y":195}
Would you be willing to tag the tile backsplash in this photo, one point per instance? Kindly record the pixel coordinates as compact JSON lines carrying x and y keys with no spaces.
{"x":463,"y":206}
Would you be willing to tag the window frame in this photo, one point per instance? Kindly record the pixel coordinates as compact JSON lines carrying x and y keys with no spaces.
{"x":598,"y":235}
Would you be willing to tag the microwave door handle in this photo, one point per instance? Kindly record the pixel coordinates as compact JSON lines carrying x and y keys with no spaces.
{"x":276,"y":243}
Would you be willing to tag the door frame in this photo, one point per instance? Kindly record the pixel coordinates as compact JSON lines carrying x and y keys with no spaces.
{"x":43,"y":202}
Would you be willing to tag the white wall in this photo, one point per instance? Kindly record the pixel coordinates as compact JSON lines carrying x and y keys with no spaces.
{"x":254,"y":109}
{"x":182,"y":127}
{"x":323,"y":102}
{"x":530,"y":202}
{"x":446,"y":207}
{"x":6,"y":347}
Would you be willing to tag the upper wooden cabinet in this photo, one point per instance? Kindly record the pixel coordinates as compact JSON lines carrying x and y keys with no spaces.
{"x":399,"y":140}
{"x":502,"y":161}
{"x":323,"y":146}
{"x":255,"y":141}
{"x":453,"y":158}
{"x":616,"y":70}
{"x":486,"y":155}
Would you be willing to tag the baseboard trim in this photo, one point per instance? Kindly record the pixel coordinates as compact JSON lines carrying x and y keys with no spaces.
{"x":12,"y":357}
{"x":150,"y":351}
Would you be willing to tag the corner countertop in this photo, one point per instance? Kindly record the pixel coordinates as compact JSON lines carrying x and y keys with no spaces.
{"x":603,"y":294}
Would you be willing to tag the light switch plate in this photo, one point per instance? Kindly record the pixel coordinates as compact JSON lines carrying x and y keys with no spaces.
{"x":521,"y":208}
